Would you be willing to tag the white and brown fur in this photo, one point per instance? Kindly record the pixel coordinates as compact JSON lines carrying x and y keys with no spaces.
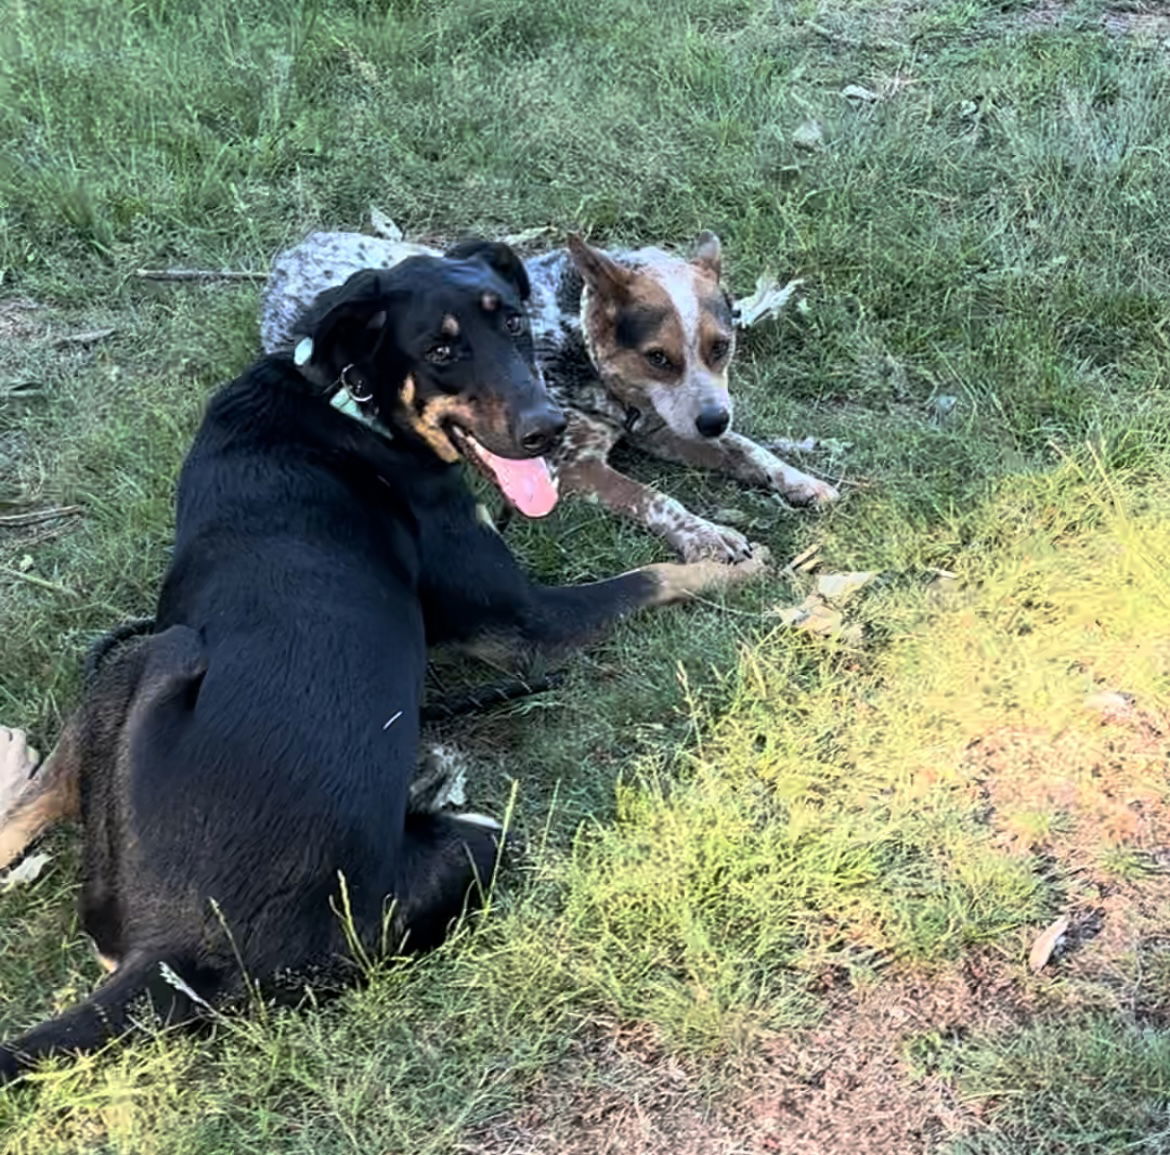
{"x":633,"y":344}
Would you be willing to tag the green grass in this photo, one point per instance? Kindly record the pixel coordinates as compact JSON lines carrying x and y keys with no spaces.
{"x":719,"y":814}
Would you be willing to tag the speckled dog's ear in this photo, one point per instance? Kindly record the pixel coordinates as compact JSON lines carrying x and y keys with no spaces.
{"x":709,"y":254}
{"x":498,"y":256}
{"x":601,"y":272}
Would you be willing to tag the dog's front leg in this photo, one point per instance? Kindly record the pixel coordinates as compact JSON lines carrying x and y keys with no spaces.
{"x":551,"y":621}
{"x":582,"y":469}
{"x":743,"y":459}
{"x":476,"y":596}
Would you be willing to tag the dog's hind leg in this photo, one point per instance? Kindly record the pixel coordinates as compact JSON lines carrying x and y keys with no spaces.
{"x":34,"y":798}
{"x":446,"y":867}
{"x":140,"y":695}
{"x":107,"y":1013}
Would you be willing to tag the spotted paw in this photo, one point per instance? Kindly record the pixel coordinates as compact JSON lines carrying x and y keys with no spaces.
{"x":702,"y":540}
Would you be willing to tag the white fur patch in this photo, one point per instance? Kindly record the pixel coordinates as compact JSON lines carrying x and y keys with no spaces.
{"x":478,"y":820}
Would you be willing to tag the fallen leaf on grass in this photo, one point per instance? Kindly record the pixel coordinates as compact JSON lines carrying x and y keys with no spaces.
{"x":24,"y":872}
{"x":819,"y":613}
{"x":837,"y":587}
{"x":1111,"y":704}
{"x":1046,"y":942}
{"x":806,"y":560}
{"x":809,"y":135}
{"x":766,"y":302}
{"x":855,"y":92}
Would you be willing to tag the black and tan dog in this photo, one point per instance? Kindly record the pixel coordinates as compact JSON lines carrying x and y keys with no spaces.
{"x":242,"y":774}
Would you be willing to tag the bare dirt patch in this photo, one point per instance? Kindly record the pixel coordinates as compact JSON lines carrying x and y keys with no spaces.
{"x":849,"y":1083}
{"x":852,"y":1084}
{"x":617,"y":1095}
{"x":1144,"y":23}
{"x":1079,"y":793}
{"x":1095,"y":802}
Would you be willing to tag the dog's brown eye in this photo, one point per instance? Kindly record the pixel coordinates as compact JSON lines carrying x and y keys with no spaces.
{"x":719,"y":350}
{"x":515,"y":324}
{"x":659,"y":359}
{"x":439,"y":354}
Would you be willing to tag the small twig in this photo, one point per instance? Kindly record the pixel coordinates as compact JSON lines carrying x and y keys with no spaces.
{"x":199,"y":275}
{"x":90,"y":337}
{"x":41,"y":583}
{"x":10,"y":520}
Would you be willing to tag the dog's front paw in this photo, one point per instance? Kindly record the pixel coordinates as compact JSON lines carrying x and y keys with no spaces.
{"x":802,"y":488}
{"x":680,"y":582}
{"x":702,"y":540}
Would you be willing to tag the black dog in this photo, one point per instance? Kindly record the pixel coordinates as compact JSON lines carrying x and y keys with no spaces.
{"x":242,"y":773}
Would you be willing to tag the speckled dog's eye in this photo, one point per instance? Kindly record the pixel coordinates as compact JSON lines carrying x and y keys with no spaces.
{"x":719,"y":350}
{"x":658,"y":359}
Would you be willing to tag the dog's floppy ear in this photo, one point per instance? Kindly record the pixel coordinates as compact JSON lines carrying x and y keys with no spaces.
{"x":498,"y":256}
{"x":709,"y":254}
{"x":601,"y":272}
{"x":344,"y":325}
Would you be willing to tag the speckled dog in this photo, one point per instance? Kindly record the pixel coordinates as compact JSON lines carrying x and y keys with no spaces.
{"x":633,"y":344}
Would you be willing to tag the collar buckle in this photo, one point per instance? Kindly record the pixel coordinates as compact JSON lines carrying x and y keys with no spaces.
{"x":354,"y":390}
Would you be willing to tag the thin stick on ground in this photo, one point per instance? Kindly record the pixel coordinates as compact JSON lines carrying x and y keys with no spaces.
{"x":41,"y":583}
{"x":200,"y":275}
{"x":35,"y":516}
{"x":90,"y":337}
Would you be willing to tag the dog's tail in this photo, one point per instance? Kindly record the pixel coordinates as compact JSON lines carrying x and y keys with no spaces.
{"x":109,"y":1012}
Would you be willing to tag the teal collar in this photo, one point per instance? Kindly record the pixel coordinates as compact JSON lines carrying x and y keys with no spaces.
{"x":344,"y":402}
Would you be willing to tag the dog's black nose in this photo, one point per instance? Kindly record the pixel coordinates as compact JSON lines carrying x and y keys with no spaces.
{"x":540,"y":430}
{"x":712,"y":421}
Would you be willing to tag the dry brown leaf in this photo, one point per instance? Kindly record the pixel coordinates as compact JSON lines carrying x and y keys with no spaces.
{"x":806,"y":559}
{"x":1045,"y":943}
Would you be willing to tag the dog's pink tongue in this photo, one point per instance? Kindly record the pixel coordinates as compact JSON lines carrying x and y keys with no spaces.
{"x":528,"y":484}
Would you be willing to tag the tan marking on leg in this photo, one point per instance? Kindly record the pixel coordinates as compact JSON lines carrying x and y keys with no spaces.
{"x":679,"y":582}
